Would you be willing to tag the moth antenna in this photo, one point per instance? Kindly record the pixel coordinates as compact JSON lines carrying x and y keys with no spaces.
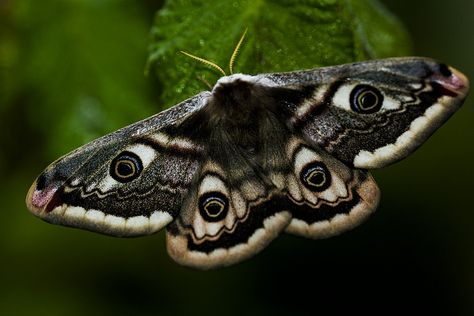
{"x":205,"y":82}
{"x":236,"y":51}
{"x":205,"y":61}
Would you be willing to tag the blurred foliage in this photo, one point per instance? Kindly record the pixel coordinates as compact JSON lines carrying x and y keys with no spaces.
{"x":283,"y":35}
{"x":71,"y":70}
{"x":79,"y":64}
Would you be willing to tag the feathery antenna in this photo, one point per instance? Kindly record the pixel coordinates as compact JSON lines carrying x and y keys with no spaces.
{"x":236,"y":51}
{"x":213,"y":64}
{"x":205,"y":61}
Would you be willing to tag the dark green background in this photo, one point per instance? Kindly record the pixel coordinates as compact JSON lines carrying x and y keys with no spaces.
{"x":415,"y":255}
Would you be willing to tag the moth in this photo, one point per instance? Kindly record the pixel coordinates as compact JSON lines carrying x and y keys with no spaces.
{"x":227,"y":170}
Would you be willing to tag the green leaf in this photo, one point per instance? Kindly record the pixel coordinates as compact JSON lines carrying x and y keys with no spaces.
{"x":283,"y":35}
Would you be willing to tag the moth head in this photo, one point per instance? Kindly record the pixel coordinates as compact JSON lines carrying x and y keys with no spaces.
{"x":104,"y":186}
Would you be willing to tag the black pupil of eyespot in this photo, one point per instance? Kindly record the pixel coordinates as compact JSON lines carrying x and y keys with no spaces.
{"x":213,"y":206}
{"x":125,"y":168}
{"x":317,"y":177}
{"x":368,"y":100}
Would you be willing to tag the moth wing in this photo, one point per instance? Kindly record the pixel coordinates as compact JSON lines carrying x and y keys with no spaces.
{"x":410,"y":98}
{"x":231,"y":213}
{"x":80,"y":189}
{"x":325,"y":196}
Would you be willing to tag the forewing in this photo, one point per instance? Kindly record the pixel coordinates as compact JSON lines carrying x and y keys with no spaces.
{"x":86,"y":189}
{"x":417,"y":95}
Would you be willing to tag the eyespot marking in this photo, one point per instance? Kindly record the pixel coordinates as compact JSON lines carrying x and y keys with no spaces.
{"x":365,"y":99}
{"x":126,"y":167}
{"x":213,"y":206}
{"x":316,"y":176}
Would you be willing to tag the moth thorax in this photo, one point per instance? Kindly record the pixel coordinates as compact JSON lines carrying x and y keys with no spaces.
{"x":237,"y":101}
{"x":234,"y":92}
